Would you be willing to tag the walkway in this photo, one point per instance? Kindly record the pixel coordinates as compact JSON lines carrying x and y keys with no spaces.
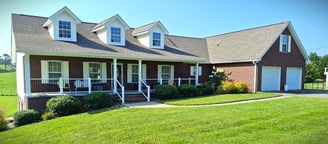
{"x":161,"y":105}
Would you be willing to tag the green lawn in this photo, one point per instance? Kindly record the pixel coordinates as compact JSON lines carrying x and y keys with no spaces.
{"x":9,"y":104}
{"x":8,"y":84}
{"x":221,"y":98}
{"x":288,"y":120}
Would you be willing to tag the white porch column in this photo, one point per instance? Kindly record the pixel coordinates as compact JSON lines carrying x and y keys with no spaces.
{"x":139,"y":75}
{"x":27,"y":80}
{"x":255,"y":76}
{"x":115,"y":75}
{"x":197,"y":73}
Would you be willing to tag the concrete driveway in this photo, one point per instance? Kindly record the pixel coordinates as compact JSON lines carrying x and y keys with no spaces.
{"x":308,"y":93}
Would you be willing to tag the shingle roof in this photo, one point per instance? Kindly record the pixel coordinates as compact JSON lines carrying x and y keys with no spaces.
{"x":244,"y":45}
{"x":147,"y":27}
{"x":31,"y":37}
{"x":103,"y":22}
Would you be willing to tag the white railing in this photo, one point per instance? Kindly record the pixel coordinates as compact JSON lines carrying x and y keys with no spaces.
{"x":148,"y":91}
{"x":179,"y":80}
{"x":121,"y":96}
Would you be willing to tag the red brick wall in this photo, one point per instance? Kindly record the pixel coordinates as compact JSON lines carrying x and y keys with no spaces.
{"x":243,"y":72}
{"x":275,"y":58}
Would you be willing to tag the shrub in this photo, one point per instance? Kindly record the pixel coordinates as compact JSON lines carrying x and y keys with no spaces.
{"x":48,"y":116}
{"x":63,"y":105}
{"x":187,"y":90}
{"x":166,"y":92}
{"x":241,"y":87}
{"x":231,"y":87}
{"x":218,"y":77}
{"x":3,"y":122}
{"x":98,"y":100}
{"x":227,"y":87}
{"x":205,"y":89}
{"x":24,"y":117}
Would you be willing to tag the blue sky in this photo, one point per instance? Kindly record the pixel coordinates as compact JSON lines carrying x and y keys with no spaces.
{"x":195,"y":18}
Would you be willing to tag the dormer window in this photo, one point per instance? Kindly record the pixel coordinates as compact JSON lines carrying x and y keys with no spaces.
{"x":64,"y":29}
{"x":115,"y":35}
{"x":156,"y":39}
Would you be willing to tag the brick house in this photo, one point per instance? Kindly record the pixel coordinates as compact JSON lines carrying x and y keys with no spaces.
{"x":61,"y":54}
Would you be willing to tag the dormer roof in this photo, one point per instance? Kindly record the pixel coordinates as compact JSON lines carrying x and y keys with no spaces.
{"x":102,"y":24}
{"x":55,"y":15}
{"x":145,"y":29}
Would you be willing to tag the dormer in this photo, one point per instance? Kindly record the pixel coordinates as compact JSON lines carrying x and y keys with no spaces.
{"x":62,"y":25}
{"x":112,"y":30}
{"x":151,"y":35}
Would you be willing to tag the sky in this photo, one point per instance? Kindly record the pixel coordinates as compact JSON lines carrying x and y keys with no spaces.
{"x":192,"y":18}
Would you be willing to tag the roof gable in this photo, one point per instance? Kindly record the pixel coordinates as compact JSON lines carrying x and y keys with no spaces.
{"x":102,"y":24}
{"x":146,"y":28}
{"x":58,"y":13}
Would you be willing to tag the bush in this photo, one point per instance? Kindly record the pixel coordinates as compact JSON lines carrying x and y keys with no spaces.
{"x":241,"y":87}
{"x":3,"y":122}
{"x":63,"y":105}
{"x":166,"y":92}
{"x":227,"y":87}
{"x":24,"y":117}
{"x":231,"y":87}
{"x":48,"y":116}
{"x":205,"y":89}
{"x":98,"y":100}
{"x":187,"y":90}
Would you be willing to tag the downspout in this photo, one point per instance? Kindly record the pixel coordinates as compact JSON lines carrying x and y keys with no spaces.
{"x":255,"y":62}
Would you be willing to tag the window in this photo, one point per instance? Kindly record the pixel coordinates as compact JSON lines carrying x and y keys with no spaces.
{"x":64,"y":29}
{"x":193,"y":71}
{"x":156,"y":39}
{"x":133,"y":72}
{"x":94,"y":71}
{"x":285,"y":43}
{"x":115,"y":35}
{"x":54,"y":70}
{"x":166,"y":72}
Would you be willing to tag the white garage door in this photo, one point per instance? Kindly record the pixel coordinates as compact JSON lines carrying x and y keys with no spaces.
{"x":294,"y":78}
{"x":270,"y":78}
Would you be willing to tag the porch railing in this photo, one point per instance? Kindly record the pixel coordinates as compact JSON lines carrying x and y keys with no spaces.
{"x":148,"y":91}
{"x":121,"y":96}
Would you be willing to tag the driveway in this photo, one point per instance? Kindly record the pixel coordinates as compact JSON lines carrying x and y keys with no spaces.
{"x":308,"y":93}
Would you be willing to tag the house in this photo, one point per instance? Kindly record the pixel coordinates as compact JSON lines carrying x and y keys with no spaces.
{"x":61,"y":54}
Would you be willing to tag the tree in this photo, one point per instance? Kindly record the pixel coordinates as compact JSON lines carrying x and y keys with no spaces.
{"x":217,"y":78}
{"x":7,"y":60}
{"x":315,"y":69}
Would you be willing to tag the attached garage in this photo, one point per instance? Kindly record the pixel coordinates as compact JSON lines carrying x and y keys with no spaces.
{"x":271,"y":76}
{"x":294,"y":78}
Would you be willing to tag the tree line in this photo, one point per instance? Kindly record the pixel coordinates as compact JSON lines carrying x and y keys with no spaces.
{"x":315,"y":69}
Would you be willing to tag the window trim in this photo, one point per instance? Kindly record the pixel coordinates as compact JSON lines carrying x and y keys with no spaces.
{"x":160,"y":75}
{"x":193,"y":70}
{"x":45,"y":70}
{"x":130,"y":73}
{"x":103,"y":71}
{"x":287,"y":43}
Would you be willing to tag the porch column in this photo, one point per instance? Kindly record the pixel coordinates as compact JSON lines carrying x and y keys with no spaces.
{"x":139,"y":75}
{"x":27,"y":79}
{"x":115,"y":75}
{"x":197,"y":73}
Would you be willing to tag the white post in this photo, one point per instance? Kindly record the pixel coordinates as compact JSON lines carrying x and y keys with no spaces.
{"x":115,"y":75}
{"x":61,"y":85}
{"x":89,"y":85}
{"x":326,"y":73}
{"x":197,"y":73}
{"x":189,"y":82}
{"x":148,"y":93}
{"x":179,"y":81}
{"x":123,"y":95}
{"x":139,"y":75}
{"x":160,"y":81}
{"x":27,"y":80}
{"x":255,"y":76}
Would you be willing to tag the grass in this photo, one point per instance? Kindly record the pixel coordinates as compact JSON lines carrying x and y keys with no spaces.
{"x":288,"y":120}
{"x":221,"y":98}
{"x":8,"y":84}
{"x":9,"y":104}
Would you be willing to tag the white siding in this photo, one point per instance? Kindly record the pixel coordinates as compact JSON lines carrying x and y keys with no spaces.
{"x":144,"y":39}
{"x":20,"y":78}
{"x":102,"y":35}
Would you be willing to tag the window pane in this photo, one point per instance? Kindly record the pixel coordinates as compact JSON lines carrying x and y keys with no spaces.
{"x":135,"y":69}
{"x":156,"y":39}
{"x":134,"y":77}
{"x":65,"y":29}
{"x":94,"y":70}
{"x":115,"y":34}
{"x":54,"y":66}
{"x":166,"y":69}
